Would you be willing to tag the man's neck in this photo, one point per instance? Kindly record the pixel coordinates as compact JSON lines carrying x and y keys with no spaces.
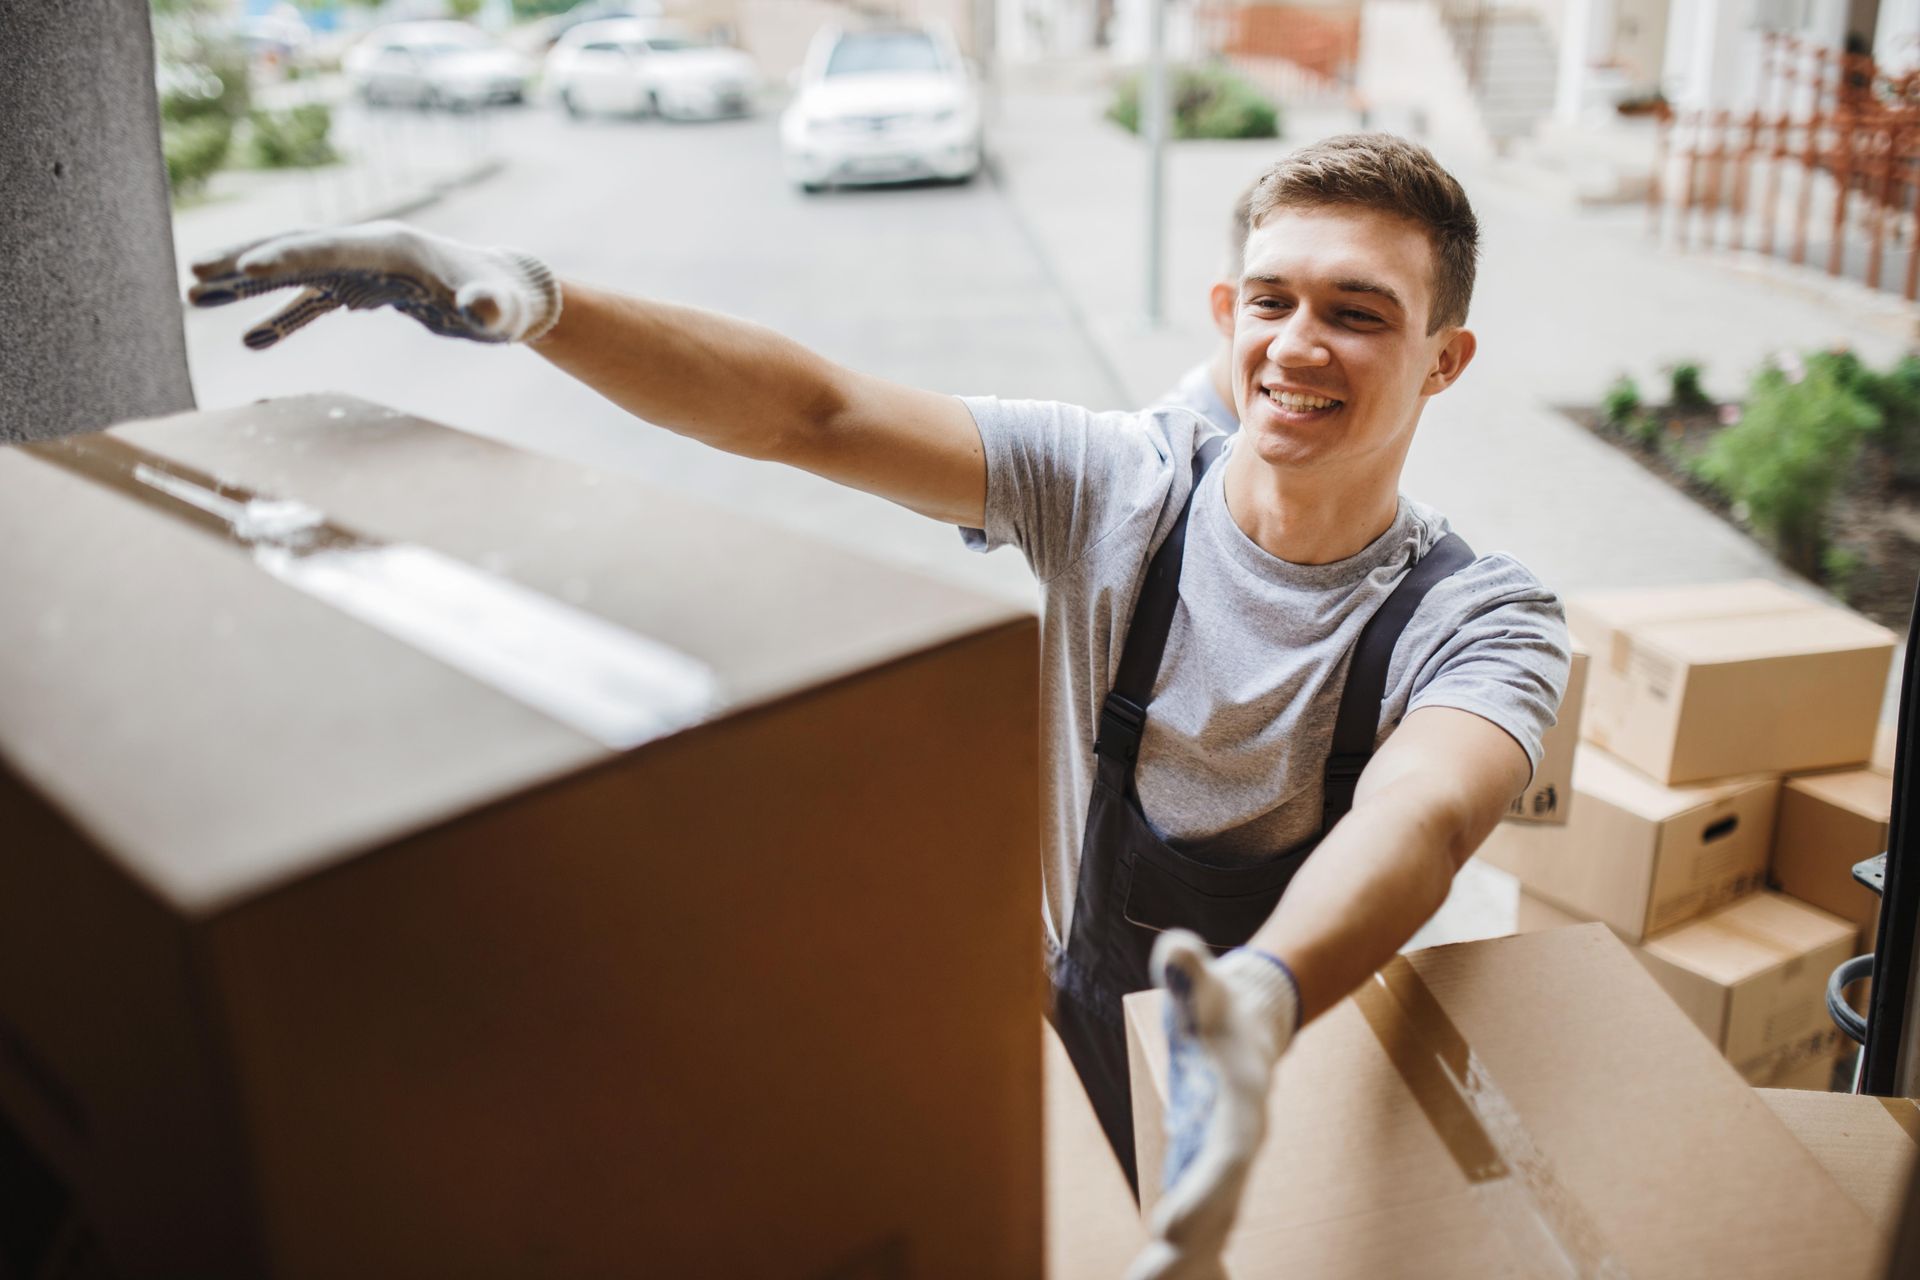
{"x":1308,"y":520}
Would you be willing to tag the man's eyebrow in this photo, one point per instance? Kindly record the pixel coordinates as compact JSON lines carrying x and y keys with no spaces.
{"x":1352,"y":284}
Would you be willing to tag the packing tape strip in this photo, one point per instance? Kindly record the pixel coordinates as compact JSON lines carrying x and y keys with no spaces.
{"x":1506,"y":1174}
{"x":601,"y":680}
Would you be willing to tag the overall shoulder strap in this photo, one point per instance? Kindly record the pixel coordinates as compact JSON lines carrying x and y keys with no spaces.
{"x":1123,"y":715}
{"x":1358,"y":721}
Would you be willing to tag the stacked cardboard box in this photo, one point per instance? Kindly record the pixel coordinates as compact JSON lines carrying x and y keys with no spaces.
{"x":1699,"y":700}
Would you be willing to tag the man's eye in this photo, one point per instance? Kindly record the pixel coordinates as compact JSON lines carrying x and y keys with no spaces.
{"x":1362,"y":316}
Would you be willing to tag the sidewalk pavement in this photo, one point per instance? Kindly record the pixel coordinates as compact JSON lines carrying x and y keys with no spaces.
{"x":397,"y":162}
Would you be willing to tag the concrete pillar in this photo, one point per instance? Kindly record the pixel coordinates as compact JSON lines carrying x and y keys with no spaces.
{"x":90,"y":328}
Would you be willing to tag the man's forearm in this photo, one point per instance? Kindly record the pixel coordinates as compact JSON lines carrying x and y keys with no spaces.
{"x":1376,"y":878}
{"x":729,"y":383}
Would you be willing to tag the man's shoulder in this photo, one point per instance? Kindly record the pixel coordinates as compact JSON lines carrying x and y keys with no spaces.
{"x":1490,"y":580}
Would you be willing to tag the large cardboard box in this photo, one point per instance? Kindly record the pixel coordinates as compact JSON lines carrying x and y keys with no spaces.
{"x":1549,"y":798}
{"x":369,"y":911}
{"x":1519,"y":1107}
{"x":1753,"y":977}
{"x":1693,"y":683}
{"x":1641,"y":856}
{"x":1868,"y":1144}
{"x":1827,"y":823}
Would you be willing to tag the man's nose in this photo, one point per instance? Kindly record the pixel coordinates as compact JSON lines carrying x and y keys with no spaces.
{"x":1299,"y":343}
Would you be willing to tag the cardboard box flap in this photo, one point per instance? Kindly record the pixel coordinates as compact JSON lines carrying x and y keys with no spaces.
{"x":1865,"y":792}
{"x":1759,"y":637}
{"x":1622,"y":1141}
{"x":1755,"y":934}
{"x":1868,"y":1144}
{"x":1600,"y":617}
{"x":1601,"y":775}
{"x":218,"y":731}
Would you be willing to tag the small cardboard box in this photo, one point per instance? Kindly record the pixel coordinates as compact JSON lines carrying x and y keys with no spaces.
{"x":1705,"y":682}
{"x":1518,"y":1107}
{"x":1549,"y":799}
{"x":1870,"y":1145}
{"x":428,"y":858}
{"x":1827,"y":823}
{"x":1641,"y":856}
{"x":1753,"y":977}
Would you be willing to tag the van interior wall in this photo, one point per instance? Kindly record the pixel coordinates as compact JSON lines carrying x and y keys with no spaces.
{"x":90,"y":320}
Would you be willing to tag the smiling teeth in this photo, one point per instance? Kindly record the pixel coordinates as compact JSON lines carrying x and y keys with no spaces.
{"x":1292,"y":401}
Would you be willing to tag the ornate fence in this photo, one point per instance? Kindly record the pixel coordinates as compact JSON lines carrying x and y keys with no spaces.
{"x":1825,"y":171}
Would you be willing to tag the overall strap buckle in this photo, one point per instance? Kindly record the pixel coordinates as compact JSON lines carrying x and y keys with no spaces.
{"x":1341,"y":780}
{"x":1121,"y":724}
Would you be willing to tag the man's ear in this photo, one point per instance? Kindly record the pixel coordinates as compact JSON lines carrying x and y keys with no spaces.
{"x":1450,"y":363}
{"x":1222,"y":300}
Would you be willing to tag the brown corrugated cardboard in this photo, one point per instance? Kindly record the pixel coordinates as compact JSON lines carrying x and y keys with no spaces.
{"x":1643,"y":857}
{"x":1868,"y":1144}
{"x":1532,"y":914}
{"x":1753,"y":977}
{"x":1692,"y":684}
{"x":319,"y":957}
{"x":1709,"y":1003}
{"x":1549,"y":798}
{"x":1093,"y":1225}
{"x":1518,"y":1107}
{"x":1827,"y":823}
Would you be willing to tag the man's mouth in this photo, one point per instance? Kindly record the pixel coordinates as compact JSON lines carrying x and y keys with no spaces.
{"x":1295,"y":404}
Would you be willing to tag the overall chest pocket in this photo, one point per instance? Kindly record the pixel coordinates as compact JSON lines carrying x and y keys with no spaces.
{"x":1224,"y":905}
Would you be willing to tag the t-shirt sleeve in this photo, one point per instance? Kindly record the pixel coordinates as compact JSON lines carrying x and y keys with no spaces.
{"x":1506,"y":654}
{"x":1060,"y":478}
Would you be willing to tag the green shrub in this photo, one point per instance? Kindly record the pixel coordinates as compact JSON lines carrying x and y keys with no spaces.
{"x":1896,"y":393}
{"x":1686,"y":391}
{"x":1644,"y":430}
{"x":1620,"y":403}
{"x":194,"y":150}
{"x":1840,"y":570}
{"x":295,"y":139}
{"x":1208,"y":102}
{"x":1788,"y":455}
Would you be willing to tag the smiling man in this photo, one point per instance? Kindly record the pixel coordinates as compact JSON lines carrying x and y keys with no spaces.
{"x":1255,"y":649}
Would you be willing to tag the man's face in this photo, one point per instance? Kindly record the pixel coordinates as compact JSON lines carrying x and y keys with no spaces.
{"x":1333,"y":307}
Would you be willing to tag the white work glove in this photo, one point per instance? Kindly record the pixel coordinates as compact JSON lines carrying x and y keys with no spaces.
{"x":456,"y":290}
{"x":1228,"y":1022}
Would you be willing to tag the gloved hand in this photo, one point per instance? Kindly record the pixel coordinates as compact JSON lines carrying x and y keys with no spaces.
{"x":1228,"y":1022}
{"x":456,"y":290}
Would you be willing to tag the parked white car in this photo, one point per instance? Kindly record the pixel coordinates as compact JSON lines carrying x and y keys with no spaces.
{"x":882,"y":104}
{"x":435,"y":64}
{"x":641,"y":66}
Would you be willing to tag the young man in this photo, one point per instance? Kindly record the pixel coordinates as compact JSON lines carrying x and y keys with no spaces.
{"x":1207,"y":388}
{"x":1254,"y":648}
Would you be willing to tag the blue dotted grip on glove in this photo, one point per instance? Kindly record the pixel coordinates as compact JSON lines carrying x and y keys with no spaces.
{"x":328,"y":290}
{"x":1192,"y":1085}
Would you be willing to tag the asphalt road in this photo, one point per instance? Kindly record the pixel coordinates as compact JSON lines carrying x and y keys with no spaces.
{"x":938,"y":286}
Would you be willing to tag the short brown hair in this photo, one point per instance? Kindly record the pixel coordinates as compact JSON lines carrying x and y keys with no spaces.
{"x":1387,"y":173}
{"x":1237,"y":233}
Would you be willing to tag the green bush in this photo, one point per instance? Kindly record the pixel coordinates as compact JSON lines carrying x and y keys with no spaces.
{"x":1896,"y":393}
{"x":195,"y":150}
{"x":1620,"y":404}
{"x":295,"y":139}
{"x":1208,"y":102}
{"x":1789,"y":454}
{"x":1686,"y":391}
{"x":1644,"y":430}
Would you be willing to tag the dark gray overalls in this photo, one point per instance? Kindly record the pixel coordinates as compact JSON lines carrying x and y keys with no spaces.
{"x":1132,"y":885}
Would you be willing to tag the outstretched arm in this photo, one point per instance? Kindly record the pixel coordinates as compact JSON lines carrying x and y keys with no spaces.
{"x":731,"y":384}
{"x":1428,"y":798}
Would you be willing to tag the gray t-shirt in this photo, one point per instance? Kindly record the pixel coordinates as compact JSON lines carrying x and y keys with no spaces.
{"x":1242,"y":712}
{"x":1196,"y":391}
